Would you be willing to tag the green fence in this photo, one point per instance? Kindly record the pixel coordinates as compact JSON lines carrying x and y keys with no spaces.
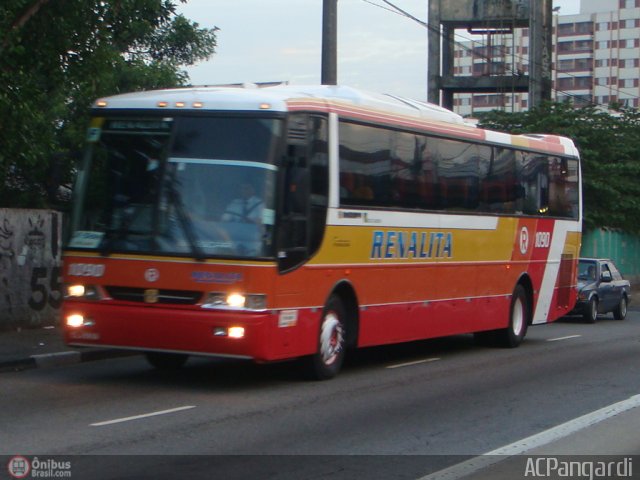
{"x":622,"y":248}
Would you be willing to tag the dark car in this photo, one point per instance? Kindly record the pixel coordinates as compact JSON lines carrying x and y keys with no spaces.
{"x":601,"y":289}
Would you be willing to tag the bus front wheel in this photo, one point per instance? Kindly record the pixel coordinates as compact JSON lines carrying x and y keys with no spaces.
{"x":328,"y":359}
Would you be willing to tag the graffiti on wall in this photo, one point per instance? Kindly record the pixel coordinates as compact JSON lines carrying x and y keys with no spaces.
{"x":30,"y":267}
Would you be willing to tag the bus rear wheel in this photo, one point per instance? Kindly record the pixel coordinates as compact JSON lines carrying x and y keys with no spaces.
{"x":328,"y":359}
{"x":515,"y":332}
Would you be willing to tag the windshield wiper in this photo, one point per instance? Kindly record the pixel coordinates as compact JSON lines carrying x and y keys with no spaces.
{"x":185,"y":221}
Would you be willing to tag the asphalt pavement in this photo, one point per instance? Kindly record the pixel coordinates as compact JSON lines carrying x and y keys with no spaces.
{"x":613,"y":435}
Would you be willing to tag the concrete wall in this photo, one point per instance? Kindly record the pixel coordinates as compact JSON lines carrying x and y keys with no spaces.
{"x":30,"y":267}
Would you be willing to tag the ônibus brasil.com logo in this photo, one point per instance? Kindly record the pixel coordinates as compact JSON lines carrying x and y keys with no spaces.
{"x":21,"y":467}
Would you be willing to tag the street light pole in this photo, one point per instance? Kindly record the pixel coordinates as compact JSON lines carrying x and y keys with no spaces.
{"x":329,"y":67}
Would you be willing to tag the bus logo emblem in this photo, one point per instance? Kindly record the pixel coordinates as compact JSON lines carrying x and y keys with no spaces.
{"x":524,"y":240}
{"x":151,"y":295}
{"x":151,"y":274}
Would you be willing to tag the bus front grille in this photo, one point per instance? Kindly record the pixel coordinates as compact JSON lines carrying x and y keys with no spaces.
{"x":147,"y":295}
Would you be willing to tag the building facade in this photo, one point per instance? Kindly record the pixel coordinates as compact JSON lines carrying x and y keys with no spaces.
{"x":596,"y":59}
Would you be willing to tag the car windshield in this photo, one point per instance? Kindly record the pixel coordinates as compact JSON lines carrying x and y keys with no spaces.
{"x":586,"y":270}
{"x":195,"y":186}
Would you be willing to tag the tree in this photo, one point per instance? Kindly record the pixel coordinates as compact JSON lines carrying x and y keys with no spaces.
{"x":57,"y":56}
{"x":609,"y":146}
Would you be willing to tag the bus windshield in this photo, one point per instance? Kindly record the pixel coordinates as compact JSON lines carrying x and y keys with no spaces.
{"x":196,"y":186}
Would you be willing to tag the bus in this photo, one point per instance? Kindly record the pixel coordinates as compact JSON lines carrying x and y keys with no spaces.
{"x":296,"y":222}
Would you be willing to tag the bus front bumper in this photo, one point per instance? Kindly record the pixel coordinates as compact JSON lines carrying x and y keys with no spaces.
{"x":237,"y":334}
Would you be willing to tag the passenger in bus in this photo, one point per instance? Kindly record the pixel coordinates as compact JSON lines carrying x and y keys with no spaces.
{"x":247,"y":208}
{"x":362,"y":190}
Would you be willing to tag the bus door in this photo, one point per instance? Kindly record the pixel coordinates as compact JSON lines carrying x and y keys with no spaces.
{"x":304,"y":200}
{"x":302,"y":218}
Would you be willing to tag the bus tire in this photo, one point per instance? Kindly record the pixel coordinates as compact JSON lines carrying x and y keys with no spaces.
{"x":166,"y":361}
{"x":328,"y":359}
{"x":519,"y":315}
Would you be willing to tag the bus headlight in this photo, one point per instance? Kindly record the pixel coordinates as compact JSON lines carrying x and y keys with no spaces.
{"x":236,"y":301}
{"x":86,"y":292}
{"x":76,"y":320}
{"x":236,"y":332}
{"x":229,"y":332}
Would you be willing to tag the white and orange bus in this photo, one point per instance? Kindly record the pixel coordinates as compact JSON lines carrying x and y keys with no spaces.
{"x":284,"y":222}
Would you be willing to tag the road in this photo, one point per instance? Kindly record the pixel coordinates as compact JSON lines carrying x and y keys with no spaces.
{"x":403,"y":411}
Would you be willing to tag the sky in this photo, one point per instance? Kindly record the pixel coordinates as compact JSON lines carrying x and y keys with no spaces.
{"x":280,"y":40}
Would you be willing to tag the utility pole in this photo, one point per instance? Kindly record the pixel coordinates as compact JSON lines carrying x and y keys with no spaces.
{"x":329,"y":67}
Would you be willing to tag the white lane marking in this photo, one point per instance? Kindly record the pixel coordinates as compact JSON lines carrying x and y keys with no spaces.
{"x":562,"y":338}
{"x":145,"y":415}
{"x":417,"y":362}
{"x":534,"y":441}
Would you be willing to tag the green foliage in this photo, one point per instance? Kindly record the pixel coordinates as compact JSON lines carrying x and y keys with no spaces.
{"x":56,"y":57}
{"x":609,"y":145}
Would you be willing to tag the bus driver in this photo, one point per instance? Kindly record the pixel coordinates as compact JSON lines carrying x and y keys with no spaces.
{"x":247,"y":208}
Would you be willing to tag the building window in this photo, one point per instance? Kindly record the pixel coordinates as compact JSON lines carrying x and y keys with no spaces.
{"x":584,"y":27}
{"x":628,"y":83}
{"x":581,"y":100}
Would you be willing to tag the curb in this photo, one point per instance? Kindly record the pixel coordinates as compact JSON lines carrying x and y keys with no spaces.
{"x":59,"y":359}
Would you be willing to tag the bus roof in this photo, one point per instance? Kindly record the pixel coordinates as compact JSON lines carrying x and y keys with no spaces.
{"x":253,"y":98}
{"x":283,"y":98}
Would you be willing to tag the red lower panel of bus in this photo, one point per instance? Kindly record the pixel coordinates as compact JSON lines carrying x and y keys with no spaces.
{"x":407,"y":322}
{"x":148,"y":328}
{"x":272,"y":336}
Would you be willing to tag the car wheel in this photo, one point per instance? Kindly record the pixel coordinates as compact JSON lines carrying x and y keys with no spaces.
{"x":513,"y":335}
{"x":620,"y":312}
{"x":591,"y":310}
{"x":327,"y":361}
{"x":166,"y":361}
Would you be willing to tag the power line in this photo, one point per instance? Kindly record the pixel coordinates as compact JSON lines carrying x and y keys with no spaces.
{"x":383,"y":7}
{"x":400,"y":11}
